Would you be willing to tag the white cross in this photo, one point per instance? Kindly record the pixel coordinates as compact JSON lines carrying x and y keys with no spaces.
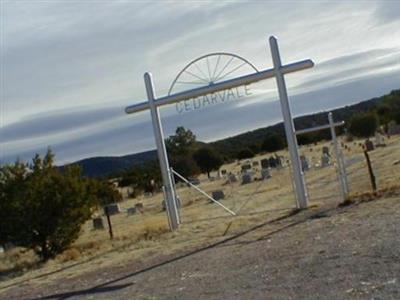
{"x":338,"y":153}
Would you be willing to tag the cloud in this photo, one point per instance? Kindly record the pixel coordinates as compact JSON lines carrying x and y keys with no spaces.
{"x":70,"y":68}
{"x":56,"y":122}
{"x":388,"y":11}
{"x":132,"y":135}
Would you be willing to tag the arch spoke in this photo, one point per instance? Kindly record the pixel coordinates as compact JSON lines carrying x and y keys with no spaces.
{"x":216,"y":67}
{"x":208,"y":69}
{"x":230,"y":72}
{"x":227,"y":64}
{"x":198,"y":77}
{"x":201,"y":71}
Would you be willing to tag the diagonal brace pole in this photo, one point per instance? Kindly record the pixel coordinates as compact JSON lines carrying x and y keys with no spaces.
{"x":203,"y":193}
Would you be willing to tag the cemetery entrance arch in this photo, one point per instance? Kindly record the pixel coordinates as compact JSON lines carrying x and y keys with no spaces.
{"x":278,"y":71}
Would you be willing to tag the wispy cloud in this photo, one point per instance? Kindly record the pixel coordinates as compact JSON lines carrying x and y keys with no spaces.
{"x":69,"y":68}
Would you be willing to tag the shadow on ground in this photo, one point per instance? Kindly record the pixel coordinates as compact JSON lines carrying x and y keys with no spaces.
{"x":108,"y":286}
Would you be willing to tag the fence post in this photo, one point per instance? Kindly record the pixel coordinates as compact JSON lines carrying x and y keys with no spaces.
{"x":109,"y":224}
{"x":370,"y":171}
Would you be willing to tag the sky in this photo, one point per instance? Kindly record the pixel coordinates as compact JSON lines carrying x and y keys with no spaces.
{"x":69,"y":68}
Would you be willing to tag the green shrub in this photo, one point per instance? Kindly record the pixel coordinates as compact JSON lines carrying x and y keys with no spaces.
{"x":43,"y":208}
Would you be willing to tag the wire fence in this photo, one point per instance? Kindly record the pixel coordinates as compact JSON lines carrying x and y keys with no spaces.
{"x":257,"y":196}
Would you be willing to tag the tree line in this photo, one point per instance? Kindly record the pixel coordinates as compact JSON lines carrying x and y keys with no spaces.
{"x":191,"y":157}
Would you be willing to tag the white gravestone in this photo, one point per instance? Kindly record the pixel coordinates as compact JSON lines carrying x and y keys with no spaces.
{"x":325,"y":160}
{"x":379,"y":140}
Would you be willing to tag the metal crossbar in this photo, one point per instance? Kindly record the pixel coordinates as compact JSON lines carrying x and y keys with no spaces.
{"x":203,"y":193}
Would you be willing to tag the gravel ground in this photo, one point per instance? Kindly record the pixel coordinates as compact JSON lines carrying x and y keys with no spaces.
{"x":338,"y":253}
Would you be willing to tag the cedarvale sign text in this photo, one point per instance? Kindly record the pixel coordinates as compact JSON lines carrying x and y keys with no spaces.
{"x":214,"y":98}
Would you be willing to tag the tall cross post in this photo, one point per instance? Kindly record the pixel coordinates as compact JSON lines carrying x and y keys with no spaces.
{"x":170,"y":201}
{"x":298,"y":174}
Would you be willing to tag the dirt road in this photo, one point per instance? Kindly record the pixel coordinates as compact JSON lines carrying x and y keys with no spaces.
{"x":345,"y":253}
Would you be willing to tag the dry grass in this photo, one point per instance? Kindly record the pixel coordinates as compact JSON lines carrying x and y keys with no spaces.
{"x":17,"y":260}
{"x":143,"y":236}
{"x":386,"y":192}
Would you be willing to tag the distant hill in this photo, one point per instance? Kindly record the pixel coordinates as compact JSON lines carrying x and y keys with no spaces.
{"x":229,"y":147}
{"x":108,"y":165}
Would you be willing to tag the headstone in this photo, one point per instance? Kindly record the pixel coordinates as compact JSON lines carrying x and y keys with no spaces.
{"x":393,"y":128}
{"x":279,"y":161}
{"x":245,"y":167}
{"x":232,"y":178}
{"x":112,"y":209}
{"x":194,"y":181}
{"x":255,"y":164}
{"x":325,"y":150}
{"x":246,"y":178}
{"x":98,"y":223}
{"x":369,"y":145}
{"x":139,"y":207}
{"x":325,"y":160}
{"x":305,"y":164}
{"x":265,"y":174}
{"x":272,"y":162}
{"x":221,"y":173}
{"x":379,"y":140}
{"x":265,"y":163}
{"x":131,"y":211}
{"x":218,"y":195}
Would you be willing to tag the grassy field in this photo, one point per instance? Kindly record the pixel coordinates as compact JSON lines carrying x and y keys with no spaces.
{"x":143,"y":236}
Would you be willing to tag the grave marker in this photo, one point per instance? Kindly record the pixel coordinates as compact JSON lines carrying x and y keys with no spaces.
{"x":98,"y":223}
{"x":232,"y":178}
{"x":379,"y":140}
{"x":265,"y":174}
{"x":139,"y":207}
{"x":369,"y":145}
{"x":265,"y":163}
{"x":246,"y":178}
{"x":305,"y":163}
{"x":131,"y":211}
{"x":325,"y":160}
{"x":112,"y":209}
{"x":218,"y":195}
{"x":393,"y":128}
